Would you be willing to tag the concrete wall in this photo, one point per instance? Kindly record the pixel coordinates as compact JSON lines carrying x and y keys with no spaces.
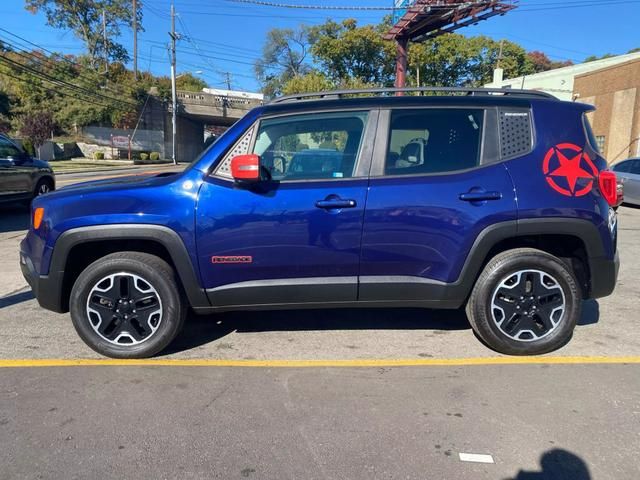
{"x":144,"y":140}
{"x":190,"y":139}
{"x":615,"y":92}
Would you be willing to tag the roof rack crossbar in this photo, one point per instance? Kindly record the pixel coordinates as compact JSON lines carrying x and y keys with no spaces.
{"x":335,"y":94}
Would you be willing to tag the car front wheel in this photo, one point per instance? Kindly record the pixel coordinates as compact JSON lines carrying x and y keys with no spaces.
{"x":127,"y":305}
{"x":525,"y":302}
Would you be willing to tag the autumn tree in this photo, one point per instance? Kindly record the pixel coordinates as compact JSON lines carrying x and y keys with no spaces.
{"x":37,"y":127}
{"x":542,"y":63}
{"x":84,"y":19}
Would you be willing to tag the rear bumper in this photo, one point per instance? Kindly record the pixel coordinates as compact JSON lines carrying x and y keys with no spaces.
{"x":604,"y":275}
{"x":46,"y":289}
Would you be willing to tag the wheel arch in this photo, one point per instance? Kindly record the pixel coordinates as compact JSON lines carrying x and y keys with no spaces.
{"x":75,"y":249}
{"x":575,"y":241}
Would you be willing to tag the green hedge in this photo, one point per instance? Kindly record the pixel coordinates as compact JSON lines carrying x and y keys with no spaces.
{"x":154,"y":156}
{"x":144,"y":156}
{"x":98,"y":155}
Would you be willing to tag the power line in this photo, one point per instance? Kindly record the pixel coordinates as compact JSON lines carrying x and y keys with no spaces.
{"x":312,"y":7}
{"x":51,"y":53}
{"x":58,"y":92}
{"x":62,"y":83}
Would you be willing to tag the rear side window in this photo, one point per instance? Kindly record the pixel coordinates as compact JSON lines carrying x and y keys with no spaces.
{"x":516,"y":138}
{"x":434,"y":141}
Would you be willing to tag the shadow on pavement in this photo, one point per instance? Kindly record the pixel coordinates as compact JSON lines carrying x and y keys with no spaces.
{"x":14,"y":217}
{"x":16,"y":298}
{"x":200,"y":330}
{"x":558,"y":464}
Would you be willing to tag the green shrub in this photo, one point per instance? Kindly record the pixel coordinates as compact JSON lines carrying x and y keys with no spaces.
{"x":98,"y":155}
{"x":154,"y":156}
{"x":144,"y":156}
{"x":28,"y":147}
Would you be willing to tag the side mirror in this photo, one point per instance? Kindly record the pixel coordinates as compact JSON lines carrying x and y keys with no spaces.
{"x":246,"y":168}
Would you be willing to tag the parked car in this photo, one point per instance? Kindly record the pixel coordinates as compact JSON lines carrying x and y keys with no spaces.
{"x":628,"y":172}
{"x":21,"y":176}
{"x":497,"y":201}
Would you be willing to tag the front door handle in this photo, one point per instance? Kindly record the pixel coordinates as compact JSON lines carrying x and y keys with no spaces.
{"x":480,"y":196}
{"x":335,"y":203}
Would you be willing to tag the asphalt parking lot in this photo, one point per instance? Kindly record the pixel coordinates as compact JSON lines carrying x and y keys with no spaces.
{"x":320,"y":394}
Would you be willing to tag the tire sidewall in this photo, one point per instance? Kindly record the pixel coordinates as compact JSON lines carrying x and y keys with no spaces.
{"x":481,"y":309}
{"x":172,"y":311}
{"x":42,"y":181}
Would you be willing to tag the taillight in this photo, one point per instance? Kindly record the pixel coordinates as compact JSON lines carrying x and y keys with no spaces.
{"x":38,"y":215}
{"x":608,"y":184}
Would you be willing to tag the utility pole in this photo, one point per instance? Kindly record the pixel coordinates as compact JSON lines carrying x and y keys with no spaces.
{"x":104,"y":39}
{"x":135,"y":40}
{"x":228,"y":80}
{"x":174,"y":99}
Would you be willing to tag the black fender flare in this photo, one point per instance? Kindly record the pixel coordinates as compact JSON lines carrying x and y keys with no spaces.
{"x":165,"y":236}
{"x":601,"y":284}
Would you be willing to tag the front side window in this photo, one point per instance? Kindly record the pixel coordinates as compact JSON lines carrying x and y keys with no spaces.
{"x":434,"y":141}
{"x":311,"y":146}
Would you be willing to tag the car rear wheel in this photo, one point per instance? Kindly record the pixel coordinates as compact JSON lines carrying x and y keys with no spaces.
{"x":127,"y":305}
{"x":525,"y":302}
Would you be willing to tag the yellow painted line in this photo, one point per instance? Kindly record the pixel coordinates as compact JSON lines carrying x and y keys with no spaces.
{"x":427,"y":362}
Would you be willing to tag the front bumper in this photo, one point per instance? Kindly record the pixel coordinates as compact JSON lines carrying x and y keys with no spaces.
{"x":46,"y":289}
{"x":604,"y":275}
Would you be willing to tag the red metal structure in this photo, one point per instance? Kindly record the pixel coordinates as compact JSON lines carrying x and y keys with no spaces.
{"x":430,"y":18}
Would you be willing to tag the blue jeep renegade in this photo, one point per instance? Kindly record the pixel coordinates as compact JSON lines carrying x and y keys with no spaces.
{"x":497,"y":201}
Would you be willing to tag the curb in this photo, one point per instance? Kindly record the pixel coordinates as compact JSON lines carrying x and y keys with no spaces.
{"x":114,"y":169}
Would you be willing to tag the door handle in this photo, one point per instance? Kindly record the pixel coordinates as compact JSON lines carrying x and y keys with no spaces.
{"x":335,"y":203}
{"x":480,"y":196}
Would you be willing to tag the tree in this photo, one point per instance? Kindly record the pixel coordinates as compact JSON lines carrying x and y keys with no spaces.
{"x":345,"y":50}
{"x":84,"y":19}
{"x":593,"y":58}
{"x":190,"y":82}
{"x":445,"y":61}
{"x":542,"y":63}
{"x":37,"y":128}
{"x":311,"y":82}
{"x":5,"y":107}
{"x":284,"y":56}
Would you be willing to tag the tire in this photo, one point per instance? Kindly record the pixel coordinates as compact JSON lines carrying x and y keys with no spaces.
{"x":112,"y":326}
{"x":44,"y":185}
{"x":513,"y":320}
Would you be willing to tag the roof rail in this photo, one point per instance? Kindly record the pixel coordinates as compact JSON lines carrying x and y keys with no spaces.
{"x":336,"y":94}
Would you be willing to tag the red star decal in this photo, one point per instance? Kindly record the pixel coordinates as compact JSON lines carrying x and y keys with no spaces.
{"x":571,"y":167}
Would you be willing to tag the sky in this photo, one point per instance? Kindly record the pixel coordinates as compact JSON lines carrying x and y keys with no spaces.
{"x":221,"y":36}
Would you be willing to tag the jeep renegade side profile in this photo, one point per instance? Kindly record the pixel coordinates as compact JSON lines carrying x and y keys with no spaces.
{"x":497,"y":201}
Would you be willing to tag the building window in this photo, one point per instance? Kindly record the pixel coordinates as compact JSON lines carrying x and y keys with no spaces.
{"x":600,"y":141}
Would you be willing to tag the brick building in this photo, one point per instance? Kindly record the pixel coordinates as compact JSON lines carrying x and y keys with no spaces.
{"x":615,"y":91}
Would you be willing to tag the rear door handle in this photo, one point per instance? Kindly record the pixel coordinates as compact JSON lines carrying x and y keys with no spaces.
{"x":480,"y":196}
{"x":335,"y":203}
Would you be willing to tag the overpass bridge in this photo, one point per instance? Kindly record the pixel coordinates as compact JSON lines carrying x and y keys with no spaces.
{"x":214,"y":109}
{"x":195,"y":110}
